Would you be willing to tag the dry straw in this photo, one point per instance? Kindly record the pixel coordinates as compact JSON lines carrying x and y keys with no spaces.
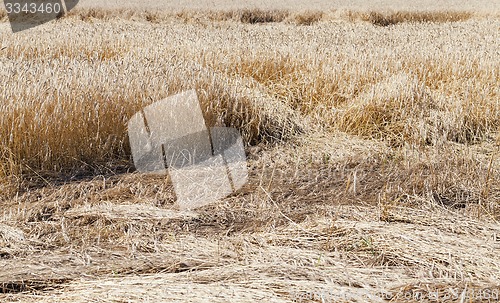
{"x":373,"y":144}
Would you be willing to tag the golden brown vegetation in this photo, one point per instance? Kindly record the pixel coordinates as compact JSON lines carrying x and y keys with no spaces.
{"x":373,"y":141}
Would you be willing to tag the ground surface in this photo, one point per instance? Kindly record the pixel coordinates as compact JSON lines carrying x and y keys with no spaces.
{"x":372,"y":142}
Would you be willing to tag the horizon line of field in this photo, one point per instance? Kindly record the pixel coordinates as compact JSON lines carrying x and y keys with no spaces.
{"x":380,"y":17}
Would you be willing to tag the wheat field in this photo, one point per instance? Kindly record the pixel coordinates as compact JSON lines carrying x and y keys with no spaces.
{"x":372,"y":133}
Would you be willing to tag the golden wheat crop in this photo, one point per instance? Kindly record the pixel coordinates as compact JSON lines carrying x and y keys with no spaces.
{"x":373,"y":141}
{"x":67,"y":102}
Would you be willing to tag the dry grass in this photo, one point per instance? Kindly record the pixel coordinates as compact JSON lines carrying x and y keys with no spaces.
{"x":373,"y":139}
{"x":391,"y":18}
{"x":258,"y":16}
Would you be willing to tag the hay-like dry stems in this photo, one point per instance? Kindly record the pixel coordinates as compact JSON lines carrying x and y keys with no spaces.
{"x":373,"y":142}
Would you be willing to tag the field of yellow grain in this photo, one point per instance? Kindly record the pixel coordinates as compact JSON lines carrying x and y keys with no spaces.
{"x":372,"y":135}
